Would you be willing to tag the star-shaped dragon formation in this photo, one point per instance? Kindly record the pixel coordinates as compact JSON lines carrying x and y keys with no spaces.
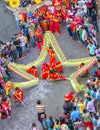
{"x":50,"y":40}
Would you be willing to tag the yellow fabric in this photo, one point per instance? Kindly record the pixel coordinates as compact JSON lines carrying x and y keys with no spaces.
{"x":7,"y":91}
{"x":82,"y":106}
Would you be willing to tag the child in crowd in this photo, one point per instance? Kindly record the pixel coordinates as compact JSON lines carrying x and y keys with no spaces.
{"x":34,"y":127}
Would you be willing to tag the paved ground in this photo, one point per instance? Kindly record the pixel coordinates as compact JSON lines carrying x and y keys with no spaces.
{"x":51,"y":93}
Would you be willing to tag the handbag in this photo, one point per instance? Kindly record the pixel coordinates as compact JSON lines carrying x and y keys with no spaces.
{"x":43,"y":115}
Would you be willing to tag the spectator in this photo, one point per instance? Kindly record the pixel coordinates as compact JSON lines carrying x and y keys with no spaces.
{"x":67,"y":106}
{"x":94,"y":20}
{"x":75,"y":114}
{"x":91,"y":106}
{"x":57,"y":125}
{"x":41,"y":114}
{"x":17,"y":43}
{"x":50,"y":123}
{"x":34,"y":127}
{"x":84,"y":37}
{"x":87,"y":119}
{"x":63,"y":125}
{"x":91,"y":48}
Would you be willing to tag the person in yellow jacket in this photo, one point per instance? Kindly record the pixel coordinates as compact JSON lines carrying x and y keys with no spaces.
{"x":8,"y":86}
{"x":82,"y":106}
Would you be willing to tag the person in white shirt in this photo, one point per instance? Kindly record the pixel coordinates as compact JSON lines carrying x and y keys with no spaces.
{"x":21,"y":37}
{"x":17,"y":20}
{"x":84,"y":36}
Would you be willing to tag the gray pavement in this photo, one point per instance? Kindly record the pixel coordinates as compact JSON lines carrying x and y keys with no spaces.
{"x":51,"y":93}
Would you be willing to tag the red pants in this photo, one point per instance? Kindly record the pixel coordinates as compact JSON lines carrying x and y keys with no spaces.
{"x":57,"y":27}
{"x":39,"y":43}
{"x":89,"y":124}
{"x":52,"y":27}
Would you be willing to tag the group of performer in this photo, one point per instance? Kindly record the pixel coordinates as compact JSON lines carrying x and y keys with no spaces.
{"x":51,"y":70}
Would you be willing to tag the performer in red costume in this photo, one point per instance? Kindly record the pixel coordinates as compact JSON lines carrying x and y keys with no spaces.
{"x":86,"y":72}
{"x":69,"y":96}
{"x":54,"y":64}
{"x":64,"y":13}
{"x":45,"y":71}
{"x":51,"y":54}
{"x":57,"y":2}
{"x":33,"y":71}
{"x":51,"y":23}
{"x":18,"y":95}
{"x":59,"y":67}
{"x":57,"y":25}
{"x":39,"y":37}
{"x":53,"y":75}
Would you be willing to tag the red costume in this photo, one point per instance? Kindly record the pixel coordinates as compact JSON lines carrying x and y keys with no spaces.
{"x":59,"y":67}
{"x":39,"y":40}
{"x":51,"y":26}
{"x":80,"y":66}
{"x":57,"y":2}
{"x":33,"y":71}
{"x":45,"y":71}
{"x":69,"y":96}
{"x":57,"y":25}
{"x":64,"y":14}
{"x":51,"y":54}
{"x":18,"y":95}
{"x":56,"y":76}
{"x":39,"y":37}
{"x":54,"y":64}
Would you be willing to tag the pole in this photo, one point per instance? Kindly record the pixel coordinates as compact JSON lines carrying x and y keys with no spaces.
{"x":18,"y":98}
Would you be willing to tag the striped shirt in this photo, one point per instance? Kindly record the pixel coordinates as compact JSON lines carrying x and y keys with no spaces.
{"x":40,"y":108}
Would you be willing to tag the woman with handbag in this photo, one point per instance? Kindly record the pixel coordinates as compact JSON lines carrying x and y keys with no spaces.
{"x":41,"y":114}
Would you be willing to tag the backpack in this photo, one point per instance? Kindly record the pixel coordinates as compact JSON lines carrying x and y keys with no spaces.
{"x":51,"y":124}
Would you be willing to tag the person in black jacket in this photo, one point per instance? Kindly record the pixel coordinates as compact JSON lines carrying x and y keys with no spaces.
{"x":94,"y":20}
{"x":68,"y":106}
{"x":17,"y":43}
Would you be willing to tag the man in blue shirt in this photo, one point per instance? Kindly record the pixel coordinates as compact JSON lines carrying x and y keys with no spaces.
{"x":75,"y":114}
{"x":91,"y":48}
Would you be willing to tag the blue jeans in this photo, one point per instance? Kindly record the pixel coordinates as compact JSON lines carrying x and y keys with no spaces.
{"x":19,"y":50}
{"x":69,"y":31}
{"x":95,"y":23}
{"x":74,"y":35}
{"x":85,"y":43}
{"x":33,"y":41}
{"x":44,"y":123}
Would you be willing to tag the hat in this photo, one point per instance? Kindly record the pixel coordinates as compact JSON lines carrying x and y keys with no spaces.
{"x":94,"y":71}
{"x":88,"y":81}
